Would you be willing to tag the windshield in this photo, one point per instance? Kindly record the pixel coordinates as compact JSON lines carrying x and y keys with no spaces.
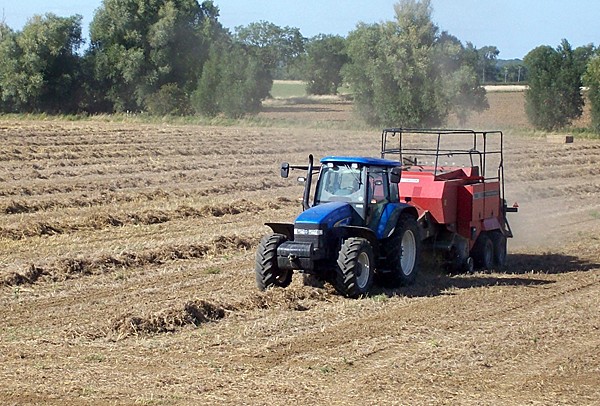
{"x":340,"y":183}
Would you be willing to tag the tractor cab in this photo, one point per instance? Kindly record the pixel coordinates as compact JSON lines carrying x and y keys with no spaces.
{"x":363,"y":183}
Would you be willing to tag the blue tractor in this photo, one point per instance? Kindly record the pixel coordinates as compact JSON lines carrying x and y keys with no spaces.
{"x":353,"y":230}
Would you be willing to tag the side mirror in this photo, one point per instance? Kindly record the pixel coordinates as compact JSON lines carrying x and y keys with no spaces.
{"x":285,"y":170}
{"x":395,"y":175}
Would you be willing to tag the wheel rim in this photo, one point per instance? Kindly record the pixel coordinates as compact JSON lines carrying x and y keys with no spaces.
{"x":408,"y":252}
{"x":469,"y":265}
{"x":363,"y":269}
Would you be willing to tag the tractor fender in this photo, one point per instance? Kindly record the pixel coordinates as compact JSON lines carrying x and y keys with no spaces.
{"x":390,"y":216}
{"x":286,"y":229}
{"x":345,"y":232}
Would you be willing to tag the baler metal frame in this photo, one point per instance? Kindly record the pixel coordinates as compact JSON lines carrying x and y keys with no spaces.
{"x":479,"y":138}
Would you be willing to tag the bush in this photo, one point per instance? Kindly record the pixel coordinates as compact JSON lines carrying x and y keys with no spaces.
{"x":170,"y":100}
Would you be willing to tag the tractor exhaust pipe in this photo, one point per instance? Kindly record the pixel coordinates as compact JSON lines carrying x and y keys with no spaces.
{"x":309,"y":173}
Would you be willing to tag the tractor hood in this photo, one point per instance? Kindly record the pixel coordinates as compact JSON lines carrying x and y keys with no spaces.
{"x":326,"y":215}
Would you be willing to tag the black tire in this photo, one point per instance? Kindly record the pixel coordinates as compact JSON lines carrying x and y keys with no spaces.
{"x":403,"y":254}
{"x":483,"y":252}
{"x":355,"y":268}
{"x":459,"y":259}
{"x":267,"y":272}
{"x":500,"y":251}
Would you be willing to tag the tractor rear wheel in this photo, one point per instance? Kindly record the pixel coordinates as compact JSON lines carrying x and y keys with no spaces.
{"x":267,"y":272}
{"x":355,"y":267}
{"x":483,"y":252}
{"x":403,"y":252}
{"x":500,"y":252}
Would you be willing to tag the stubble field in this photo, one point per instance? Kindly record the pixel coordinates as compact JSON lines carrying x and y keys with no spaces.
{"x":126,"y":274}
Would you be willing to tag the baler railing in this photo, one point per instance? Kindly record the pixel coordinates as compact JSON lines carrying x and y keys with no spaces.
{"x":477,"y":149}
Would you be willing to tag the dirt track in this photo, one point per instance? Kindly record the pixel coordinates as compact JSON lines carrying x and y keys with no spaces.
{"x":126,"y":277}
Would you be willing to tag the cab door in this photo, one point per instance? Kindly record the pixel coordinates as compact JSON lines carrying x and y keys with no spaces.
{"x":378,"y":196}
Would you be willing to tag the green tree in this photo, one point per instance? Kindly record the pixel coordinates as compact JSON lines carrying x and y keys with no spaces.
{"x":405,"y":72}
{"x":242,"y":87}
{"x":553,"y":98}
{"x":40,"y":67}
{"x":592,"y":81}
{"x":326,"y":56}
{"x":10,"y":94}
{"x":138,"y":46}
{"x":512,"y":71}
{"x":457,"y":79}
{"x":233,"y":82}
{"x":486,"y":62}
{"x":582,"y":56}
{"x":204,"y":98}
{"x":277,"y":48}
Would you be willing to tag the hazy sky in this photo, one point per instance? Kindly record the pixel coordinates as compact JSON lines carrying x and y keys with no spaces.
{"x":514,"y":26}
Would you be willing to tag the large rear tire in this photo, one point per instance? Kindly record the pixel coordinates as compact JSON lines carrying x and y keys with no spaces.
{"x":403,"y":253}
{"x":483,"y":252}
{"x":355,"y":268}
{"x":267,"y":272}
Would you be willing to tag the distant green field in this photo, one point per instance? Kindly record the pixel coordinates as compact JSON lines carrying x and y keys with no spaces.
{"x":288,"y":88}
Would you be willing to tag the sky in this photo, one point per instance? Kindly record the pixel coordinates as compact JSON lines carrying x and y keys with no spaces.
{"x":515,"y":27}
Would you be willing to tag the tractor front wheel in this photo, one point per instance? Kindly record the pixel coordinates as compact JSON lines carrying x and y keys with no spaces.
{"x":355,"y":267}
{"x":268,"y":273}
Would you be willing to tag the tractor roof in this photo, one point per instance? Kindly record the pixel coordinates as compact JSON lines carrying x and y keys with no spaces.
{"x":360,"y":160}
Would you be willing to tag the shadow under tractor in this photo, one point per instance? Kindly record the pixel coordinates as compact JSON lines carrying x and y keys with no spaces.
{"x":437,"y":192}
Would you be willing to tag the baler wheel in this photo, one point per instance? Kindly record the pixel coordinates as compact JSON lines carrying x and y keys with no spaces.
{"x":267,"y":272}
{"x":500,"y":252}
{"x":355,"y":267}
{"x":469,"y":265}
{"x":483,"y":252}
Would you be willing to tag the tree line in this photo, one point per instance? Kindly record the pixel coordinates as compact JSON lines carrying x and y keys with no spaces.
{"x":173,"y":57}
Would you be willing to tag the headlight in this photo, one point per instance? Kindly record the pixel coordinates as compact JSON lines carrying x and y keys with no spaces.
{"x":304,"y":231}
